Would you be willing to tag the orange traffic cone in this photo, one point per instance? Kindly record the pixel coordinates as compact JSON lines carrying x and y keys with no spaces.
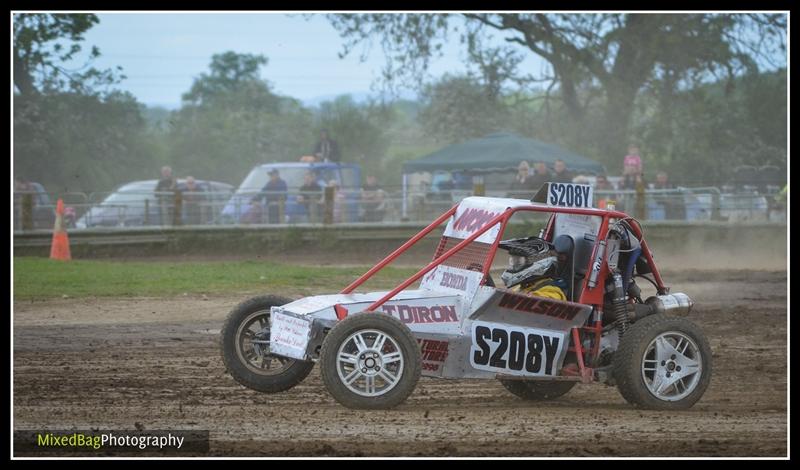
{"x":60,"y":247}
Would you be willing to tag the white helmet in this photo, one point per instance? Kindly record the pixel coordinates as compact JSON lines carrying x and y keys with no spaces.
{"x":528,"y":257}
{"x":539,"y":268}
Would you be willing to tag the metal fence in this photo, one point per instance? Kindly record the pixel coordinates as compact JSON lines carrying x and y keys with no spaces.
{"x":34,"y":211}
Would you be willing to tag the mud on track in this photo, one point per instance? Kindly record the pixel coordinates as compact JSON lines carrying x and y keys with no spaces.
{"x":123,"y":363}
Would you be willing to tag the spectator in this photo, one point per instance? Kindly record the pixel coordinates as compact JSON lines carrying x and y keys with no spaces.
{"x":602,"y":184}
{"x":541,"y":176}
{"x":783,"y":195}
{"x":24,"y":202}
{"x":442,"y":187}
{"x":560,"y":172}
{"x":662,"y":181}
{"x":338,"y":201}
{"x":310,"y":192}
{"x":193,"y":197}
{"x":633,"y":158}
{"x":632,"y":180}
{"x":462,"y":180}
{"x":70,"y":217}
{"x":326,"y":150}
{"x":580,"y":179}
{"x":274,"y":194}
{"x":21,"y":184}
{"x":631,"y":174}
{"x":781,"y":198}
{"x":167,"y":181}
{"x":373,"y":200}
{"x":522,"y":186}
{"x":674,"y":207}
{"x":254,"y":213}
{"x":165,"y":194}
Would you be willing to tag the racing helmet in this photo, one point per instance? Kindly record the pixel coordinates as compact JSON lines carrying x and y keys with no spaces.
{"x":529,"y":258}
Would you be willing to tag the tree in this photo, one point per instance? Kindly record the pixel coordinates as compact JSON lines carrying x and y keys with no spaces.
{"x":232,"y":75}
{"x":40,"y":55}
{"x":71,"y":132}
{"x":617,"y":54}
{"x":458,"y":108}
{"x":231,"y":121}
{"x":715,"y":127}
{"x":76,"y":142}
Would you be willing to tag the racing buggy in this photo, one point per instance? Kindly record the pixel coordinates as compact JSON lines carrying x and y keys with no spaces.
{"x":568,"y":310}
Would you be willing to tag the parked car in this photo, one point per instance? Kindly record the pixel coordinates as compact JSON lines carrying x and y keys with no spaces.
{"x":137,"y":204}
{"x":43,"y":208}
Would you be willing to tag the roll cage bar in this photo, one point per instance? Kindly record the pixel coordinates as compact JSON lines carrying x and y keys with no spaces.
{"x":589,"y":295}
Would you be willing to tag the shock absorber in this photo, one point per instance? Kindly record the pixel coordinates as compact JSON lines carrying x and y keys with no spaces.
{"x":619,"y":305}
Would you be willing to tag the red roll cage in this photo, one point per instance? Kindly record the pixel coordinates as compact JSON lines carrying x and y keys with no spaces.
{"x":589,"y":295}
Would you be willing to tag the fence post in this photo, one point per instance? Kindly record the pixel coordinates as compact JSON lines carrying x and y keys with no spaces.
{"x":282,"y":210}
{"x":147,"y":212}
{"x":178,"y":209}
{"x":237,"y":205}
{"x":640,"y":205}
{"x":478,"y":186}
{"x":330,"y":194}
{"x":715,"y":206}
{"x":27,"y":211}
{"x":313,"y":209}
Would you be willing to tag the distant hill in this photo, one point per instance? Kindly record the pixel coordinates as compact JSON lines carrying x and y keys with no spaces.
{"x":358,"y":97}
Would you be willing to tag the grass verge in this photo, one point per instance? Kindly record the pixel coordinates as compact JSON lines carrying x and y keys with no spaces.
{"x":42,"y":278}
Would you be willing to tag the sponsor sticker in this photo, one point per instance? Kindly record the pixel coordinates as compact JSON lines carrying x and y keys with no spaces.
{"x":573,"y":314}
{"x":474,"y":213}
{"x":469,"y":219}
{"x":434,"y":354}
{"x":453,"y":280}
{"x":514,"y":350}
{"x":288,"y":335}
{"x":421,"y":313}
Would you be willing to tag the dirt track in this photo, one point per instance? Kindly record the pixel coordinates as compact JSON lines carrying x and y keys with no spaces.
{"x":125,"y":363}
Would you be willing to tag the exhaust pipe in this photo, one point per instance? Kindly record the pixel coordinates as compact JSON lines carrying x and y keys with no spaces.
{"x":678,"y":303}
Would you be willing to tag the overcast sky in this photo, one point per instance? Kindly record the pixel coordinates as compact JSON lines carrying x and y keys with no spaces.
{"x":162,"y":53}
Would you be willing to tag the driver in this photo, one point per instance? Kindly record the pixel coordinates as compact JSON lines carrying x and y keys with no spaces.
{"x":532,"y":267}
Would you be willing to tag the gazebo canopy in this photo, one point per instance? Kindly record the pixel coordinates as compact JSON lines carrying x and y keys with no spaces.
{"x":499,"y":152}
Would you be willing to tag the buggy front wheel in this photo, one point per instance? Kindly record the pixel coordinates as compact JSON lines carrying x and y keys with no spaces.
{"x":370,"y":361}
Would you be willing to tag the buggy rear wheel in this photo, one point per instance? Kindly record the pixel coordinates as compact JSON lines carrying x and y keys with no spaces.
{"x":663,"y":363}
{"x":537,"y":390}
{"x":245,"y":348}
{"x":370,"y":361}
